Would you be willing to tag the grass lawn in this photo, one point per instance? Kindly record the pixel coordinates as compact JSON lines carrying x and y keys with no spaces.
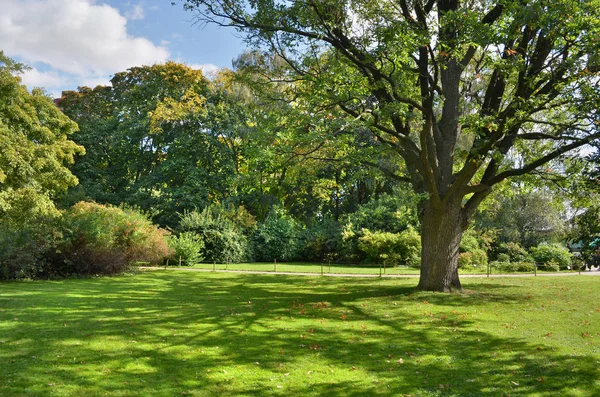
{"x":308,"y":267}
{"x":216,"y":334}
{"x":334,"y":268}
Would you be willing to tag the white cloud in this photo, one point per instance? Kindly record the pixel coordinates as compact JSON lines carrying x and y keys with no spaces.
{"x":207,"y":68}
{"x":80,"y":38}
{"x":50,"y":79}
{"x":136,"y":13}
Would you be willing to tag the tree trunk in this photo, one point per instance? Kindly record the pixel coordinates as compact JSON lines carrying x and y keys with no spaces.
{"x":441,"y":232}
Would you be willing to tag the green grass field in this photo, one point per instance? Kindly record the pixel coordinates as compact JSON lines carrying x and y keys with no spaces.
{"x":333,"y":268}
{"x":166,"y":333}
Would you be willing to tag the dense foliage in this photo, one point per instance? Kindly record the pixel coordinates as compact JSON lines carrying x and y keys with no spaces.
{"x":86,"y":239}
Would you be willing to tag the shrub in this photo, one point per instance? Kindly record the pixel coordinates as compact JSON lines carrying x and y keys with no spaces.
{"x":320,"y":240}
{"x":389,"y":213}
{"x":505,"y":267}
{"x":276,"y":237}
{"x":480,"y":258}
{"x":187,"y":246}
{"x":477,"y":259}
{"x":515,"y":252}
{"x":551,"y":255}
{"x":222,"y":239}
{"x":23,"y":246}
{"x":550,"y":266}
{"x":465,"y":260}
{"x":402,"y":248}
{"x":526,"y":267}
{"x":469,"y":242}
{"x":99,"y":239}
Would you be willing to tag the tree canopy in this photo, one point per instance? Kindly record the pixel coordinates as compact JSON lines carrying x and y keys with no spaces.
{"x":35,"y":149}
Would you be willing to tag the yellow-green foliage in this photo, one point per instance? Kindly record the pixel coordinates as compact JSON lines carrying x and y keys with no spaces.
{"x":401,"y":248}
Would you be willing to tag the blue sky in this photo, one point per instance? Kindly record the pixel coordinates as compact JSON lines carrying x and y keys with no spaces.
{"x":69,"y":43}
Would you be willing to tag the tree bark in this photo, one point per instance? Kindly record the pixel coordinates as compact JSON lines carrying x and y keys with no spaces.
{"x":441,"y":232}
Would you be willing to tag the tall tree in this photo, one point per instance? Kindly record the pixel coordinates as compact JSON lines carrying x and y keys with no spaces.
{"x":467,"y":93}
{"x":35,"y":149}
{"x":162,"y":138}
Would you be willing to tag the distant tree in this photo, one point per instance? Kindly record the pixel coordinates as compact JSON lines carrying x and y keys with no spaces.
{"x":161,"y":138}
{"x":466,"y":94}
{"x":526,"y":217}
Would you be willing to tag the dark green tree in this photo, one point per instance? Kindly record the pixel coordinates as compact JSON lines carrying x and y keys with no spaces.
{"x":162,"y":138}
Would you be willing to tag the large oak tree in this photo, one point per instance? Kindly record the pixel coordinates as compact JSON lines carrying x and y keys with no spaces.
{"x":467,"y":93}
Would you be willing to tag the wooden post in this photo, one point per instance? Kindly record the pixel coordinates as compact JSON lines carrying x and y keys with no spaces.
{"x":214,"y":265}
{"x":489,"y":270}
{"x":275,"y":265}
{"x":329,"y":265}
{"x":535,"y":269}
{"x":179,"y":260}
{"x":380,"y":270}
{"x":226,"y":262}
{"x":321,"y":268}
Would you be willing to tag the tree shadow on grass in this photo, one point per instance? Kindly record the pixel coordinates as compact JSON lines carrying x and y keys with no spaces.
{"x":165,"y":334}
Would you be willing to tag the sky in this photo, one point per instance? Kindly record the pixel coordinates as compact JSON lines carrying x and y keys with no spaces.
{"x":72,"y":43}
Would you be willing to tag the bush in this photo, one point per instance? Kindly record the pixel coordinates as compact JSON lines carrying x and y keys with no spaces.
{"x":515,"y":252}
{"x":320,"y":240}
{"x":276,"y":237}
{"x":525,"y":267}
{"x":402,"y":248}
{"x":551,"y":266}
{"x":477,"y":259}
{"x":471,"y":254}
{"x":465,"y":260}
{"x":23,"y":246}
{"x":551,"y":255}
{"x":99,"y":239}
{"x":480,"y":258}
{"x":469,"y":242}
{"x":188,"y":246}
{"x":504,"y":267}
{"x":223,"y":241}
{"x":512,"y":267}
{"x":389,"y":213}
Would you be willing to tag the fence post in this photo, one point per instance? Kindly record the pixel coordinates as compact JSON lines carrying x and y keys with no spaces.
{"x":329,"y":265}
{"x":321,"y":268}
{"x":214,"y":265}
{"x":380,"y":270}
{"x":275,"y":265}
{"x":535,"y":269}
{"x":179,"y":260}
{"x":226,"y":262}
{"x":489,"y":269}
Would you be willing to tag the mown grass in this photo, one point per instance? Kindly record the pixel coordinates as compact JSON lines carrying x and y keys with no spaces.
{"x":309,"y":267}
{"x":167,"y":333}
{"x":336,"y":268}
